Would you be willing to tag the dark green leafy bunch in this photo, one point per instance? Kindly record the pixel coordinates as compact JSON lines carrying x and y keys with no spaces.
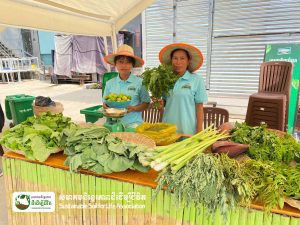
{"x":37,"y":137}
{"x":292,"y":185}
{"x":272,"y":182}
{"x":216,"y":182}
{"x":93,"y":148}
{"x":159,"y":80}
{"x":265,"y":144}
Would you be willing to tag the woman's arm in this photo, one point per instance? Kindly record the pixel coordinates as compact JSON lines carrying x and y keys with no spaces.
{"x":199,"y":117}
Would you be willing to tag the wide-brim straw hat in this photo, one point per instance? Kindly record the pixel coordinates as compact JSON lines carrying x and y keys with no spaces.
{"x":124,"y":50}
{"x":196,"y":57}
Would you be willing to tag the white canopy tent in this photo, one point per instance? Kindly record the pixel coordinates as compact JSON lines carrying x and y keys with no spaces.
{"x":84,"y":17}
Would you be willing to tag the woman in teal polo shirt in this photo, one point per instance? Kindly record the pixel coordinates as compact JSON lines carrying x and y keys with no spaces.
{"x":184,"y":104}
{"x":128,"y":83}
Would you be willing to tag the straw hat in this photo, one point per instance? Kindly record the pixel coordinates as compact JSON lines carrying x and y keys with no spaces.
{"x":196,"y":60}
{"x":124,"y":50}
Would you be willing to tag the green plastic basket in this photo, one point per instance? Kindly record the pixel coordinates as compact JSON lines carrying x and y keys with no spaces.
{"x":92,"y":114}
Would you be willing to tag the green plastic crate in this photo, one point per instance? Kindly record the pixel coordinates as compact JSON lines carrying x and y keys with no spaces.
{"x":18,"y":107}
{"x":107,"y":77}
{"x":92,"y":114}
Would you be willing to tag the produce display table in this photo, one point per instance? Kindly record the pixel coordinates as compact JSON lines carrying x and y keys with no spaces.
{"x":117,"y":198}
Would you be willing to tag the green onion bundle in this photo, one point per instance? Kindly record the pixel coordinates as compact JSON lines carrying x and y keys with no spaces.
{"x":179,"y":154}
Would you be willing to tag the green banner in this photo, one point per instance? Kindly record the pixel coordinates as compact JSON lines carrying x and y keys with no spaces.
{"x":290,"y":53}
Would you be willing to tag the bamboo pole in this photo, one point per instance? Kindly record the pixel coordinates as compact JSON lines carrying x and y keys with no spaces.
{"x":77,"y":213}
{"x":219,"y":219}
{"x":284,"y":220}
{"x":199,"y":215}
{"x":130,"y":211}
{"x":294,"y":221}
{"x":160,"y":208}
{"x":147,"y":202}
{"x":186,"y":215}
{"x":112,"y":214}
{"x":85,"y":190}
{"x":8,"y":187}
{"x":267,"y":219}
{"x":276,"y":220}
{"x":92,"y":191}
{"x":104,"y":211}
{"x":166,"y":209}
{"x":126,"y":187}
{"x":119,"y":211}
{"x":98,"y":192}
{"x":52,"y":185}
{"x":139,"y":212}
{"x":193,"y":214}
{"x":259,"y":217}
{"x":234,"y":216}
{"x":207,"y":219}
{"x":251,"y":217}
{"x":242,"y":215}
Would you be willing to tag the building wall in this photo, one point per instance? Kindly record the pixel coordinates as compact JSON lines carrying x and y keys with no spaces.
{"x":12,"y":38}
{"x":232,"y":35}
{"x":46,"y":40}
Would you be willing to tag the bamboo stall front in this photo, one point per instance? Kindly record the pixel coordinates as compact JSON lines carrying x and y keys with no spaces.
{"x":117,"y":198}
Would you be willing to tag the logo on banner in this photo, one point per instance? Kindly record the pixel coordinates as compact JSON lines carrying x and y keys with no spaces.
{"x":33,"y":201}
{"x":284,"y":51}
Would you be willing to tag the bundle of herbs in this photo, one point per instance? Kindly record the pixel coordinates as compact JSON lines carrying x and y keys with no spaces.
{"x":159,"y":80}
{"x":266,"y":144}
{"x":272,"y":182}
{"x":213,"y":181}
{"x":93,"y":148}
{"x":37,"y":137}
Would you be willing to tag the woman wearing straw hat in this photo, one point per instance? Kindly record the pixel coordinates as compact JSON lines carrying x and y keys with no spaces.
{"x":127,"y":83}
{"x":184,"y":105}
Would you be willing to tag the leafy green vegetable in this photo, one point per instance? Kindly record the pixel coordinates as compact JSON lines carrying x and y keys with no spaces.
{"x":93,"y":148}
{"x":268,"y":183}
{"x":214,"y":181}
{"x":265,"y":144}
{"x":159,"y":80}
{"x":37,"y":137}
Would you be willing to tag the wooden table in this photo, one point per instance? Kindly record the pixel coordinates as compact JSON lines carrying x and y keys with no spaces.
{"x":53,"y":176}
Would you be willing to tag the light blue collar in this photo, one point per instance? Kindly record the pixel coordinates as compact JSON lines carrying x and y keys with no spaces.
{"x":129,"y":80}
{"x":186,"y":75}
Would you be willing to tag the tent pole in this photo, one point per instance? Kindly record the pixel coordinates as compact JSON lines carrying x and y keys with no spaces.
{"x":106,"y":52}
{"x":114,"y":38}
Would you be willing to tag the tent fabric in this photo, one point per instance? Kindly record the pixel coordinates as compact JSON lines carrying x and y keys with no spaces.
{"x":81,"y":54}
{"x":89,"y":17}
{"x":63,"y":55}
{"x":88,"y":53}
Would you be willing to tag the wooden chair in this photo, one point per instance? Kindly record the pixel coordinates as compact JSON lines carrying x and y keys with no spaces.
{"x":152,"y":115}
{"x":214,"y":115}
{"x":270,"y":105}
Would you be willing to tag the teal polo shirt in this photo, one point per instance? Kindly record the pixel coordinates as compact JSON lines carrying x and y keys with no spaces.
{"x":180,"y":106}
{"x":134,"y":88}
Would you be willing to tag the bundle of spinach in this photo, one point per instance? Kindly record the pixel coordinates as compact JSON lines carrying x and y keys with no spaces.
{"x":93,"y":148}
{"x":265,"y":144}
{"x":214,"y":181}
{"x":159,"y":80}
{"x":37,"y":137}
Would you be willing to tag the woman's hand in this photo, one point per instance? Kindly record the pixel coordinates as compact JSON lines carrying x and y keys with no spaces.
{"x":158,"y":103}
{"x":131,"y":109}
{"x":104,"y":105}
